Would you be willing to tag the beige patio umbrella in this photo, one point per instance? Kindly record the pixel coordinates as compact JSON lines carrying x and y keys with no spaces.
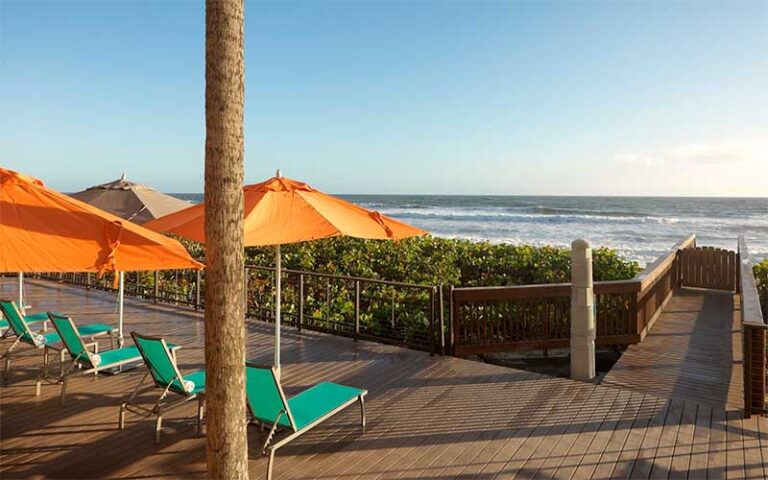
{"x":130,"y":200}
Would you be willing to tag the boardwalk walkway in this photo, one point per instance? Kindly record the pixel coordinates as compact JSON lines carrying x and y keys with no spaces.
{"x":693,"y":353}
{"x":429,"y":417}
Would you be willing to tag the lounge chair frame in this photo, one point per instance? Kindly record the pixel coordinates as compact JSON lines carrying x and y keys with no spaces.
{"x":77,"y":363}
{"x":270,"y":448}
{"x":159,"y":407}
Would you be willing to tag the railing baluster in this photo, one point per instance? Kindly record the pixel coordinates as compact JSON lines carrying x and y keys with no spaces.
{"x":357,"y":310}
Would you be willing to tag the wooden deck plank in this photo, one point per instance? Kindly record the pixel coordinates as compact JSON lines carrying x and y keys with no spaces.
{"x":697,"y":467}
{"x":734,"y":441}
{"x":717,"y":459}
{"x":762,"y":427}
{"x":753,"y":461}
{"x":644,"y":461}
{"x":681,"y":456}
{"x":662,"y":458}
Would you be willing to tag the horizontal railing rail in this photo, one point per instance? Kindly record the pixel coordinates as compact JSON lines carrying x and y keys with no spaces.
{"x":392,"y":312}
{"x":754,"y":335}
{"x":494,"y":319}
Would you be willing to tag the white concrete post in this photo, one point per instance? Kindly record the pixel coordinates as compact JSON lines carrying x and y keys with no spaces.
{"x":582,"y":312}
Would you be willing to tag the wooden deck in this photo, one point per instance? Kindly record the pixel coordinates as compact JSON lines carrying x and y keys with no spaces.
{"x":428,"y":417}
{"x":693,"y":353}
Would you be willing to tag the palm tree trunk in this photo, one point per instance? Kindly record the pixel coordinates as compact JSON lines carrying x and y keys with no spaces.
{"x":224,"y":315}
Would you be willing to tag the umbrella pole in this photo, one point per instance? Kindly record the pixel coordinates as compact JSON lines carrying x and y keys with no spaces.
{"x":21,"y":292}
{"x":278,"y":288}
{"x":120,"y":295}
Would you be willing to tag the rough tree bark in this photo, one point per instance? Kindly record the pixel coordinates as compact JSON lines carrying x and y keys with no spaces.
{"x":224,"y":316}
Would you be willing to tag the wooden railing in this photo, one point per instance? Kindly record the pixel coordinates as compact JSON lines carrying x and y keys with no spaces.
{"x":493,"y":319}
{"x":754,"y":332}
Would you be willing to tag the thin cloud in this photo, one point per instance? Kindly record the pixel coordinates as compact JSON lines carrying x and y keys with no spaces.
{"x":696,"y":153}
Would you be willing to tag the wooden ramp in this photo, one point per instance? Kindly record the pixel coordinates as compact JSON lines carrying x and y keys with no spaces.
{"x":428,"y":417}
{"x":693,"y":352}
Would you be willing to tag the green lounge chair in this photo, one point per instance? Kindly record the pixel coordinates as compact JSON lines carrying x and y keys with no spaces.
{"x":31,"y":319}
{"x":82,"y":358}
{"x":160,"y":359}
{"x":268,"y":405}
{"x":46,"y":341}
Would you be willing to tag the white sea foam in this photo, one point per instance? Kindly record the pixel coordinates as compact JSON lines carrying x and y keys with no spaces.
{"x":639,"y":228}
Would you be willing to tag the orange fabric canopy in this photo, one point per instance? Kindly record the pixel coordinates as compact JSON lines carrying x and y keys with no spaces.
{"x":281,"y":211}
{"x":42,"y":230}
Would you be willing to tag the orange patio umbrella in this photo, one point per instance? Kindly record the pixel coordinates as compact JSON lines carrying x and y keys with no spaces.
{"x":282,"y":211}
{"x":42,"y":230}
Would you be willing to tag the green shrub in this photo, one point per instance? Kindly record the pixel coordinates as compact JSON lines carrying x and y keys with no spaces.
{"x":434,"y":260}
{"x":761,"y":277}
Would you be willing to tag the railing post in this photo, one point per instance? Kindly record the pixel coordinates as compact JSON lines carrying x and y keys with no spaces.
{"x":245,"y":290}
{"x":432,"y":295}
{"x":156,"y":291}
{"x":582,"y":312}
{"x":198,"y":283}
{"x":328,"y":300}
{"x":454,"y":323}
{"x":441,"y":317}
{"x":301,"y":302}
{"x":634,"y":314}
{"x":357,"y":310}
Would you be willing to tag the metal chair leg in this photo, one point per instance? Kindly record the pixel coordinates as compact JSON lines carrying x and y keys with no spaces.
{"x":121,"y":417}
{"x":200,"y":415}
{"x":63,"y":393}
{"x":270,"y":464}
{"x":45,"y":362}
{"x":62,"y":355}
{"x":362,"y":413}
{"x":158,"y":426}
{"x":7,"y":354}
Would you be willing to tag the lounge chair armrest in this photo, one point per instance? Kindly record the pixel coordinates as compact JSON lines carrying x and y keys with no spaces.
{"x":93,"y":347}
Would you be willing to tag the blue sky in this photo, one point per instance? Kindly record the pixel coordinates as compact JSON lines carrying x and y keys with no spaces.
{"x":565,"y":97}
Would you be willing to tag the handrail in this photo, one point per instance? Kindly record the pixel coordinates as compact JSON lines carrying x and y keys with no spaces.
{"x":654,"y":270}
{"x":751,"y":311}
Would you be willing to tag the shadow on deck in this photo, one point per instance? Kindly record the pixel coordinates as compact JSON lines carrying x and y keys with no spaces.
{"x":429,"y":417}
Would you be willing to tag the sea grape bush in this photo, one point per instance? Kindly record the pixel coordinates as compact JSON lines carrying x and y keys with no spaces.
{"x":434,"y":261}
{"x":761,"y":277}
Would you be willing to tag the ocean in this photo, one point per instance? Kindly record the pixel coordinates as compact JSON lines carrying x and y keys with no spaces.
{"x":640,"y":228}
